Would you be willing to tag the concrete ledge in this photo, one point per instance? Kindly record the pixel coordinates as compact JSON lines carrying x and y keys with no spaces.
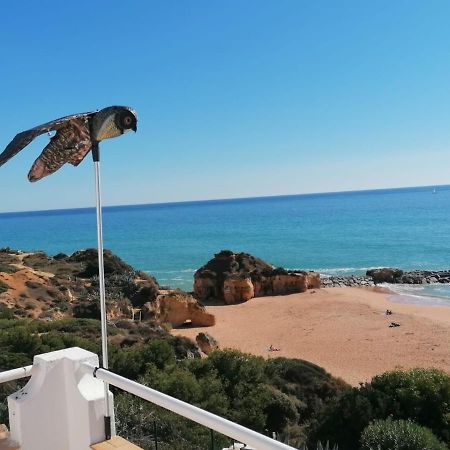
{"x":116,"y":443}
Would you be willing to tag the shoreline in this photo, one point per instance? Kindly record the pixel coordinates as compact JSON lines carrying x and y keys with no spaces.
{"x":345,"y":330}
{"x":398,"y":297}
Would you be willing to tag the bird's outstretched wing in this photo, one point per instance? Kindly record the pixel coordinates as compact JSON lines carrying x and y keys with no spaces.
{"x":70,"y":144}
{"x":25,"y":137}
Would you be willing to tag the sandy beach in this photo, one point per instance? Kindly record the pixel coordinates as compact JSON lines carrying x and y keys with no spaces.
{"x":344,"y":330}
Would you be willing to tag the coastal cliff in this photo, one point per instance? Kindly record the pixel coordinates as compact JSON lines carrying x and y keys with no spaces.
{"x":39,"y":286}
{"x":238,"y":277}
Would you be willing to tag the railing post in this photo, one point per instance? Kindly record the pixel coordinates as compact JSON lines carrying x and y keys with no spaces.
{"x":155,"y":434}
{"x":212,"y":438}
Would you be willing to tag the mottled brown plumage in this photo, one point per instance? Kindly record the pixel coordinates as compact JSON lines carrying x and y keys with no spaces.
{"x":74,"y":138}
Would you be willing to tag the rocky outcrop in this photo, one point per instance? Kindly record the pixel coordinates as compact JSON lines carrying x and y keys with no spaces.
{"x":388,"y":275}
{"x":398,"y":276}
{"x":385,"y":275}
{"x":177,"y":308}
{"x":349,"y":280}
{"x":238,"y":289}
{"x":36,"y":285}
{"x":313,"y":280}
{"x":237,"y":277}
{"x":421,"y":277}
{"x":206,"y":343}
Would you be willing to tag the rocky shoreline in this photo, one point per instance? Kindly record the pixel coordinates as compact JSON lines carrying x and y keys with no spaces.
{"x":387,"y":275}
{"x":345,"y":281}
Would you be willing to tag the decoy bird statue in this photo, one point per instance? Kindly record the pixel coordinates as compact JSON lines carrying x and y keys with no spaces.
{"x":75,"y":136}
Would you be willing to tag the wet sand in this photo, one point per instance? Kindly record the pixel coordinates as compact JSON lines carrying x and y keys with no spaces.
{"x":345,"y":330}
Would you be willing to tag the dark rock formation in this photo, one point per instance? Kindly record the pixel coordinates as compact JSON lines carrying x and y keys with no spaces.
{"x":89,"y":259}
{"x":349,"y":280}
{"x":414,"y":277}
{"x":206,"y":342}
{"x":385,"y":275}
{"x":235,"y":277}
{"x":388,"y":275}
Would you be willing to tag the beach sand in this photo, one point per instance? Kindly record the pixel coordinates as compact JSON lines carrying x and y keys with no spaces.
{"x":345,"y":330}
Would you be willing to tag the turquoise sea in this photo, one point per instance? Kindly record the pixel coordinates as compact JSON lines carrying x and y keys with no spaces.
{"x":333,"y":233}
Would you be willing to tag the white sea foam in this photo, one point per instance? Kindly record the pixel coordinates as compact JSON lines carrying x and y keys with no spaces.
{"x":170,"y":271}
{"x":427,"y":294}
{"x":342,"y":270}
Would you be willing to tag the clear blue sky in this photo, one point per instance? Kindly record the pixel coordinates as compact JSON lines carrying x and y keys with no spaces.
{"x":235,"y":98}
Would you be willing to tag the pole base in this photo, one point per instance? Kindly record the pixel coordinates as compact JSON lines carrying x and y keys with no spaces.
{"x":107,"y":420}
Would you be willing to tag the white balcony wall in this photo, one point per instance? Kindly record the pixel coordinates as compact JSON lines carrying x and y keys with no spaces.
{"x":61,"y":407}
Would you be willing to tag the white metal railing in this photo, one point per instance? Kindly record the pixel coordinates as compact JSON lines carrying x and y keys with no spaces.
{"x":217,"y":423}
{"x":15,"y":374}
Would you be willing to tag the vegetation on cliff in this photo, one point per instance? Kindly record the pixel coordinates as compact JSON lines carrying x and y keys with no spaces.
{"x":419,"y":395}
{"x":35,"y":285}
{"x":399,"y":435}
{"x":295,"y":399}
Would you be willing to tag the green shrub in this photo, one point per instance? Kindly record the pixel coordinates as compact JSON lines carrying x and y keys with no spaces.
{"x":5,"y":312}
{"x":420,"y":395}
{"x":3,"y":287}
{"x":158,"y":352}
{"x":6,"y":268}
{"x":87,"y":310}
{"x":399,"y":435}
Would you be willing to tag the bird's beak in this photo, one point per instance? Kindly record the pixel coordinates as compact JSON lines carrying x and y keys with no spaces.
{"x":134,"y":128}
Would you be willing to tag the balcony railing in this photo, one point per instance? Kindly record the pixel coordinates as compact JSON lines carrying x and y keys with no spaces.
{"x":62,"y":406}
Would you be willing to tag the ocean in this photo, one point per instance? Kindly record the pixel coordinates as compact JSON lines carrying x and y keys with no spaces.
{"x":333,"y":233}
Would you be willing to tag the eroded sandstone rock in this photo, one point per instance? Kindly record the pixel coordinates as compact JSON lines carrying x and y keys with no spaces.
{"x":206,"y":342}
{"x":177,"y":308}
{"x":238,"y":289}
{"x":237,"y":277}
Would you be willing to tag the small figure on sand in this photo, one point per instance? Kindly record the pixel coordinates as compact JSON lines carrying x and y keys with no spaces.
{"x":394,"y":324}
{"x":273,"y":349}
{"x":388,"y":312}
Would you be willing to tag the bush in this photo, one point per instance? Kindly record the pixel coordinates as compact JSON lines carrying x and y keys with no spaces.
{"x":158,"y":352}
{"x":89,"y":259}
{"x":6,"y":268}
{"x":3,"y":287}
{"x":87,"y":310}
{"x":399,"y":435}
{"x":5,"y":312}
{"x":421,"y":395}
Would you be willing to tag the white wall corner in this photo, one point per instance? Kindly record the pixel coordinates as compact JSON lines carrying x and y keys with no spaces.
{"x":62,"y":406}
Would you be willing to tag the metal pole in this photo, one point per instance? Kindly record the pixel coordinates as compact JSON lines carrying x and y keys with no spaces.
{"x":101,"y":281}
{"x":155,"y":434}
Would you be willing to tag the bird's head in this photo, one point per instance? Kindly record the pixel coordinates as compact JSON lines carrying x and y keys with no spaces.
{"x":126,"y":119}
{"x":113,"y":121}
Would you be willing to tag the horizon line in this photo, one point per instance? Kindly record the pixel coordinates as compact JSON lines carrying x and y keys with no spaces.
{"x":227,"y":199}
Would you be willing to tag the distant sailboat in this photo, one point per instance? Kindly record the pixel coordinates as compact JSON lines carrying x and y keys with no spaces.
{"x":434,"y":191}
